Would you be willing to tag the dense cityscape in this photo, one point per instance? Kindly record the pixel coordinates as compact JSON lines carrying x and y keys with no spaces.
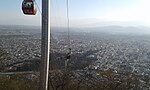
{"x":99,"y":60}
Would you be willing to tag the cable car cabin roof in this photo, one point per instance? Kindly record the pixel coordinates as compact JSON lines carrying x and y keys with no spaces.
{"x":28,"y":7}
{"x":29,"y":0}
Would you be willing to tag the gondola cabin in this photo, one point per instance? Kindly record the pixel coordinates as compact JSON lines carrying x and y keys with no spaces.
{"x":29,"y":7}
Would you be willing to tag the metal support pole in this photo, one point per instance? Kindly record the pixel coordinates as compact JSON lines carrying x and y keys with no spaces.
{"x":45,"y":46}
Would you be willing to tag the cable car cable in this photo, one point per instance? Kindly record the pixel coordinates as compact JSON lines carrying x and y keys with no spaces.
{"x":38,"y":8}
{"x":68,"y":22}
{"x":45,"y":18}
{"x":52,"y":38}
{"x":68,"y":55}
{"x":68,"y":25}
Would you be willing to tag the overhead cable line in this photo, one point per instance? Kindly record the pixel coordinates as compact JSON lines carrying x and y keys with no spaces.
{"x":68,"y":24}
{"x":68,"y":56}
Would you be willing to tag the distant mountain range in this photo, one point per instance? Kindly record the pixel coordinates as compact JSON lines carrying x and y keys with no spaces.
{"x":114,"y":29}
{"x":111,"y":29}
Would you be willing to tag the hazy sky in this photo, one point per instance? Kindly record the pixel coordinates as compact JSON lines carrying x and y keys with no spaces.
{"x":102,"y":12}
{"x":11,"y":14}
{"x":81,"y":12}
